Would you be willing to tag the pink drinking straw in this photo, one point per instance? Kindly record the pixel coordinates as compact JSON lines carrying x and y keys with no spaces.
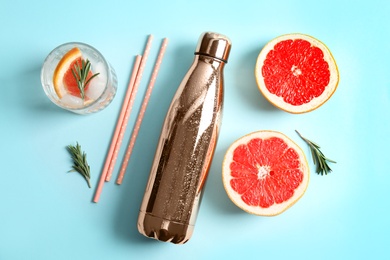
{"x":118,"y":127}
{"x":142,"y":112}
{"x":129,"y":107}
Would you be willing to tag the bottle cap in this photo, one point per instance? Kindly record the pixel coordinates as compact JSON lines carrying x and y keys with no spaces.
{"x":214,"y":45}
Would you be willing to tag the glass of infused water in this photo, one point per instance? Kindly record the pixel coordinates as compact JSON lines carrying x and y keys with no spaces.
{"x":76,"y":77}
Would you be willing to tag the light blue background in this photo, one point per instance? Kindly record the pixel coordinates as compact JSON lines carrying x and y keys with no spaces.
{"x":47,"y":213}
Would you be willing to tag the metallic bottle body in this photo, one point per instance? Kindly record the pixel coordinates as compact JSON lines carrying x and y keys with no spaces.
{"x":184,"y":154}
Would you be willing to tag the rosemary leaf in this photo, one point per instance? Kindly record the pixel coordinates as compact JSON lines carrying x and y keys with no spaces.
{"x":81,"y":74}
{"x":94,"y":75}
{"x":80,"y":163}
{"x":319,"y":159}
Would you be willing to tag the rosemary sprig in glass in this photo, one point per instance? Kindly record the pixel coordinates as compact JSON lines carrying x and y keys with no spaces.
{"x":80,"y":163}
{"x":81,"y":75}
{"x":319,"y":158}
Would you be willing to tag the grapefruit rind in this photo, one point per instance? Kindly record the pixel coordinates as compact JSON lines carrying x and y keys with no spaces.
{"x":62,"y":67}
{"x":315,"y":102}
{"x":275,"y":209}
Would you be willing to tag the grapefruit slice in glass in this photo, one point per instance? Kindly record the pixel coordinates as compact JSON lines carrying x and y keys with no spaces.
{"x":63,"y":79}
{"x":296,"y":73}
{"x":264,"y":173}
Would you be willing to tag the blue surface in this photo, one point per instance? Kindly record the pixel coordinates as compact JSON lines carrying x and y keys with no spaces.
{"x":47,"y":213}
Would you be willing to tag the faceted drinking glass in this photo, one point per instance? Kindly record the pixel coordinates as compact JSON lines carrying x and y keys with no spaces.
{"x":100,"y":91}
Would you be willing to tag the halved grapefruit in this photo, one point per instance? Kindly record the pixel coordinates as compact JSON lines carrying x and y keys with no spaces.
{"x":63,"y":79}
{"x":296,"y":73}
{"x":264,"y":173}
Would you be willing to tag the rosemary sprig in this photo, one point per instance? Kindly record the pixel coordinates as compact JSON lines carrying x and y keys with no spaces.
{"x":80,"y":163}
{"x":81,"y":74}
{"x":319,"y":158}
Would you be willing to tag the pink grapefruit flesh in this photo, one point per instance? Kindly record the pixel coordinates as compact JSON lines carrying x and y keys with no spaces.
{"x":296,"y":73}
{"x":63,"y":78}
{"x":264,"y":173}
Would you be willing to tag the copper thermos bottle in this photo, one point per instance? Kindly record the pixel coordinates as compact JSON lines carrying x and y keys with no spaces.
{"x":186,"y":146}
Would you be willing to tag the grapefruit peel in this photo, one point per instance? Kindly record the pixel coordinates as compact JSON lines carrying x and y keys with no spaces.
{"x":62,"y":67}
